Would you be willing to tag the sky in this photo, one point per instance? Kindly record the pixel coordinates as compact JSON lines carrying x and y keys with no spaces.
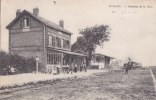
{"x":133,"y":29}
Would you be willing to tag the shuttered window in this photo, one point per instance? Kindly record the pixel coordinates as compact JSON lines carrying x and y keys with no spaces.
{"x":58,"y":42}
{"x":53,"y":41}
{"x":66,"y":44}
{"x":50,"y":40}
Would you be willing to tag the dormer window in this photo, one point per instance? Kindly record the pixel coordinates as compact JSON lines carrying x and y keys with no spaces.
{"x":25,"y":22}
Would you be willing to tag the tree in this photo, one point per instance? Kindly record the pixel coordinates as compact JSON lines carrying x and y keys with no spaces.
{"x":4,"y":57}
{"x":80,"y":45}
{"x":90,"y":38}
{"x":99,"y":59}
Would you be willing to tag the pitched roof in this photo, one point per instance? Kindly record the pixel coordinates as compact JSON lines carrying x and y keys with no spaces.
{"x":98,"y":54}
{"x":42,"y":20}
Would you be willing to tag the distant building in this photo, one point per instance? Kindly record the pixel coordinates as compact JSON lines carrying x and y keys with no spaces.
{"x":136,"y":65}
{"x":101,"y":61}
{"x":117,"y":64}
{"x":33,"y":36}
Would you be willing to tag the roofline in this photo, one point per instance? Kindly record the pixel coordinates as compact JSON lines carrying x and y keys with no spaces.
{"x":58,"y":29}
{"x":103,"y":55}
{"x":65,"y":31}
{"x":13,"y":20}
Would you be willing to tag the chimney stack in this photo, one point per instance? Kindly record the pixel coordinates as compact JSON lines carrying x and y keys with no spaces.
{"x":18,"y":12}
{"x":36,"y":11}
{"x":61,"y":23}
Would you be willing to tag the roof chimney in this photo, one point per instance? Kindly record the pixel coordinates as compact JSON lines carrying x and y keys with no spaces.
{"x":36,"y":11}
{"x":61,"y":23}
{"x":18,"y":12}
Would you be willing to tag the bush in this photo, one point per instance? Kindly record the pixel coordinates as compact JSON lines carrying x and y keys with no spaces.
{"x":23,"y":65}
{"x":4,"y":62}
{"x":30,"y":65}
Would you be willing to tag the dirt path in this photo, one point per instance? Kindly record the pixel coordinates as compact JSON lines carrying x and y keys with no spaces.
{"x":114,"y":85}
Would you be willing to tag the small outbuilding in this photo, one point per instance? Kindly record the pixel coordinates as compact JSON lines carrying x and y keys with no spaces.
{"x":101,"y":61}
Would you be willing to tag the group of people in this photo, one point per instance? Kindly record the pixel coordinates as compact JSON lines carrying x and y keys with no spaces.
{"x":10,"y":70}
{"x":73,"y":68}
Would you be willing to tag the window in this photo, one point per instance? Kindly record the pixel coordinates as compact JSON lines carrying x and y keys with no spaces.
{"x":50,"y":40}
{"x":53,"y":41}
{"x":54,"y":58}
{"x":58,"y":42}
{"x":66,"y":44}
{"x":25,"y":22}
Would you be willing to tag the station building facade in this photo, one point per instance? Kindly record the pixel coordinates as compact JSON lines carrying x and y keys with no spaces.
{"x":33,"y":36}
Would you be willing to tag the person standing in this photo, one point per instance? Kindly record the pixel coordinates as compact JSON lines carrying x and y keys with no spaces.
{"x":128,"y":66}
{"x":58,"y":71}
{"x":126,"y":69}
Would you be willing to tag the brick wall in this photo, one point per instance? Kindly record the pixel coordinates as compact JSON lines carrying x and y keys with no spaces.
{"x":50,"y":31}
{"x":32,"y":37}
{"x":27,"y":43}
{"x":26,"y":39}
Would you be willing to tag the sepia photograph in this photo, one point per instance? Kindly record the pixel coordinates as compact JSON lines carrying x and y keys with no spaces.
{"x":77,"y":50}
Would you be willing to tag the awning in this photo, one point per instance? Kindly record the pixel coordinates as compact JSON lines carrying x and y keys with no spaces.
{"x":69,"y":52}
{"x":98,"y":54}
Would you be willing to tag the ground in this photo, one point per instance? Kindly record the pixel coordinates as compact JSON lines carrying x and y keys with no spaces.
{"x":112,"y":85}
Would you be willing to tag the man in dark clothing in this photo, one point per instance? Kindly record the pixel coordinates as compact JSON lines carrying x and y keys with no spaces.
{"x":58,"y":71}
{"x":126,"y":70}
{"x":128,"y":66}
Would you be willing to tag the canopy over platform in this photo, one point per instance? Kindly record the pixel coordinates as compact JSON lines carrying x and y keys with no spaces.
{"x":102,"y":55}
{"x":70,"y":52}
